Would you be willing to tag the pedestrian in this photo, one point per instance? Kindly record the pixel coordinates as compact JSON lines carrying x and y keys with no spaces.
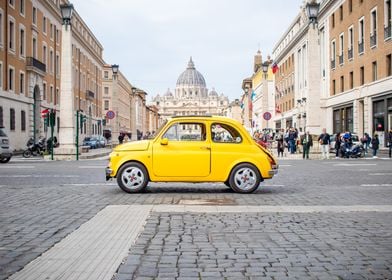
{"x":375,"y":145}
{"x":389,"y":142}
{"x":306,"y":142}
{"x":338,"y":142}
{"x":120,"y":138}
{"x":280,"y":144}
{"x":292,"y":137}
{"x":324,"y":140}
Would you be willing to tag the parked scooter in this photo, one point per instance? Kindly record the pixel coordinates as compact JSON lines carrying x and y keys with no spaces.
{"x":348,"y":150}
{"x":35,"y":149}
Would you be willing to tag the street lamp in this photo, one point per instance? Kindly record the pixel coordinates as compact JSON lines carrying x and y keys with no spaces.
{"x":312,"y":9}
{"x":133,"y":118}
{"x":66,"y":13}
{"x":264,"y":67}
{"x":116,"y":129}
{"x":115,"y":69}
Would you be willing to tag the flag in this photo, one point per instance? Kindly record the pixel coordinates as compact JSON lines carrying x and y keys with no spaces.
{"x":277,"y":110}
{"x":275,"y":67}
{"x":253,"y":95}
{"x":44,"y":113}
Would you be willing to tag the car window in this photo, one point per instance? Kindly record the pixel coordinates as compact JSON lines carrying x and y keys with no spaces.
{"x":186,"y":131}
{"x":2,"y":133}
{"x":223,"y":133}
{"x":87,"y":139}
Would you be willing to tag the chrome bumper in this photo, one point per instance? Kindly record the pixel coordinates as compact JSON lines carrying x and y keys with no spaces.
{"x":274,"y":170}
{"x":108,"y":171}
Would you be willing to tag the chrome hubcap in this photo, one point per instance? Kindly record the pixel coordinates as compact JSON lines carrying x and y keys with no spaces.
{"x":132,"y":177}
{"x":245,"y":178}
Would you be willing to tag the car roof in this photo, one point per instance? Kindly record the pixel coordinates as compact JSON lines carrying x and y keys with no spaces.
{"x":203,"y":117}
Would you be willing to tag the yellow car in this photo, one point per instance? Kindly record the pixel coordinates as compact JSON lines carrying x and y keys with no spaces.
{"x":193,"y":149}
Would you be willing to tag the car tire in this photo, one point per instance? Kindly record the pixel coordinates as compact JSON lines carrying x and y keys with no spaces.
{"x":244,"y":178}
{"x":5,"y":160}
{"x":132,"y":177}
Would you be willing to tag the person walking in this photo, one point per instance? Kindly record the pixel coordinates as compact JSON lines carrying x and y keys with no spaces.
{"x":292,"y":137}
{"x":120,"y":138}
{"x":375,"y":145}
{"x":280,"y":143}
{"x":389,"y":139}
{"x":306,"y":142}
{"x":324,"y":140}
{"x":338,"y":142}
{"x":366,"y":139}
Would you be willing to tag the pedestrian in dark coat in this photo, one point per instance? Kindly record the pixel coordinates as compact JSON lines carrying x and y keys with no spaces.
{"x":338,"y":142}
{"x":389,"y":141}
{"x":375,"y":145}
{"x":306,"y":142}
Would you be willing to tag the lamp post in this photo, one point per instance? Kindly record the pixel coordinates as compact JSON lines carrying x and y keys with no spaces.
{"x":264,"y":67}
{"x":115,"y":102}
{"x":133,"y":115}
{"x":312,"y":9}
{"x":67,"y":131}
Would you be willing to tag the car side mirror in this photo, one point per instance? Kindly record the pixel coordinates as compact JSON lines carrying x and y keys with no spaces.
{"x":164,"y":141}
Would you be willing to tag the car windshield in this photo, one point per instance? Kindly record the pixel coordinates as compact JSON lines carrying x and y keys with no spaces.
{"x":87,"y":139}
{"x":2,"y":133}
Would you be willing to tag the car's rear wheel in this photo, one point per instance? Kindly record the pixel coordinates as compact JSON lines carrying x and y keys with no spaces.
{"x":5,"y":159}
{"x":132,"y":177}
{"x":244,"y":178}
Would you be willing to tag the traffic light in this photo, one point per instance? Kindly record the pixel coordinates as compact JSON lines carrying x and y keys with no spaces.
{"x":103,"y":122}
{"x":82,"y":119}
{"x":46,"y":119}
{"x":52,"y":117}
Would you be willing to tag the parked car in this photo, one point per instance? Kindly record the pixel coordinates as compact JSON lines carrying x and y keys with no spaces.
{"x":92,"y":142}
{"x":193,"y":149}
{"x":102,"y":141}
{"x":5,"y":149}
{"x":354,"y":138}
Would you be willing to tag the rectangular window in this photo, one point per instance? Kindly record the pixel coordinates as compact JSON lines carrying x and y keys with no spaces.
{"x":373,"y":28}
{"x":44,"y":54}
{"x":11,"y":79}
{"x":374,"y":70}
{"x":362,"y":75}
{"x":388,"y":61}
{"x":23,"y":120}
{"x":387,"y":18}
{"x":44,"y":25}
{"x":34,"y":46}
{"x":341,"y":49}
{"x":57,"y":64}
{"x":333,"y":87}
{"x":333,"y":54}
{"x":21,"y":83}
{"x":106,"y":105}
{"x":106,"y":74}
{"x":350,"y":5}
{"x":1,"y":75}
{"x":57,"y":97}
{"x":333,"y":20}
{"x":106,"y":90}
{"x":350,"y":38}
{"x":341,"y":83}
{"x":12,"y":3}
{"x":22,"y":7}
{"x":361,"y":34}
{"x":22,"y":42}
{"x":12,"y":119}
{"x":341,"y":12}
{"x":351,"y":80}
{"x":34,"y":15}
{"x":51,"y":95}
{"x":44,"y":91}
{"x":51,"y":31}
{"x":51,"y":64}
{"x":1,"y":117}
{"x":11,"y":35}
{"x":1,"y":28}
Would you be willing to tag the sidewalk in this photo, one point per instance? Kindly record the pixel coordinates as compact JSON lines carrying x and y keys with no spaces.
{"x":91,"y":154}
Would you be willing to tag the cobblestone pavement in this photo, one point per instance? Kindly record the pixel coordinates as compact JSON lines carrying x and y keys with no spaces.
{"x":257,"y":245}
{"x":43,"y":202}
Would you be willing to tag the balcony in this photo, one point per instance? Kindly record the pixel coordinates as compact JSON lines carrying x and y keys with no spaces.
{"x":341,"y":59}
{"x":373,"y":39}
{"x":387,"y":32}
{"x":350,"y":54}
{"x":333,"y":64}
{"x":360,"y":47}
{"x":33,"y":64}
{"x":90,"y":95}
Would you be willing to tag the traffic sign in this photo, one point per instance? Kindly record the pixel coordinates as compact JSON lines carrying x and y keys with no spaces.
{"x":110,"y":114}
{"x":267,"y":116}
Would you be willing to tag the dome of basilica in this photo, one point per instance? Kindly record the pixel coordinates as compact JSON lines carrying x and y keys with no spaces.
{"x":191,"y":77}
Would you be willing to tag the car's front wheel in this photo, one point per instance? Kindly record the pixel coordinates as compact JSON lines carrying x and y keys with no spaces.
{"x":244,"y":178}
{"x":132,"y":177}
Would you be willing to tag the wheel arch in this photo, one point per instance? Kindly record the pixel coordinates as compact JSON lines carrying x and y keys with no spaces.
{"x":131,"y":161}
{"x":243,"y":162}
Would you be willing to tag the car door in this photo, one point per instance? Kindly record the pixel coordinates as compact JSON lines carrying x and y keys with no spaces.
{"x":182,"y":151}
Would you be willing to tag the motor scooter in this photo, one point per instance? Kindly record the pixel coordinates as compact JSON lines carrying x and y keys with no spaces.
{"x":34,"y":149}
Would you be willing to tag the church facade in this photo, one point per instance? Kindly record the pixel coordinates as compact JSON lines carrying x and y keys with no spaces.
{"x":191,"y":97}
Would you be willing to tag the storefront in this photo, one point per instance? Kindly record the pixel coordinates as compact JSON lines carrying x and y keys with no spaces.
{"x":343,"y":119}
{"x":382,"y":117}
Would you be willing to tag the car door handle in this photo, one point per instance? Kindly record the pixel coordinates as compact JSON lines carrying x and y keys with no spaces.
{"x":205,"y":148}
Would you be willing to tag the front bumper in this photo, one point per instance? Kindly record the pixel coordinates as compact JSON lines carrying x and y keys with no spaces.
{"x":108,"y":171}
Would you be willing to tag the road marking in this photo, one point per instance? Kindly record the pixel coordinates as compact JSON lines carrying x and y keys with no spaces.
{"x":90,"y":184}
{"x":93,"y":251}
{"x":355,"y":164}
{"x":380,"y":174}
{"x":17,"y":166}
{"x":272,"y":185}
{"x":39,"y":176}
{"x":92,"y":167}
{"x":284,"y":165}
{"x":376,"y":185}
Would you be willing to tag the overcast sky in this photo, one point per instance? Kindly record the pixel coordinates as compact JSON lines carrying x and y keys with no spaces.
{"x":152,"y":40}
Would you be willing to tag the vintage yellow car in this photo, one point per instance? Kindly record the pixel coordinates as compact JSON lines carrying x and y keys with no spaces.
{"x":193,"y":149}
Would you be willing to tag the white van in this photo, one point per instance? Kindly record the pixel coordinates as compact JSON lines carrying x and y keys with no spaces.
{"x":5,"y":149}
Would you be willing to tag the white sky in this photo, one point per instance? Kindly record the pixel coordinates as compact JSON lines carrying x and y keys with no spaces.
{"x":152,"y":40}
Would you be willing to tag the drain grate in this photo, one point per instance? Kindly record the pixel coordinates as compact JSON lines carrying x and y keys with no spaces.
{"x":216,"y":201}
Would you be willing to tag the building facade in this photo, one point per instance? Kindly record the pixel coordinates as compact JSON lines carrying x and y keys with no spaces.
{"x":357,"y":46}
{"x":191,"y":97}
{"x":30,"y":63}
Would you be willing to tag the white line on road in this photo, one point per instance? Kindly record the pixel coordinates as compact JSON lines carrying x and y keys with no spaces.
{"x":355,"y":164}
{"x":91,"y":184}
{"x":92,"y":167}
{"x":376,"y":185}
{"x":380,"y":174}
{"x":284,"y":165}
{"x":17,"y":166}
{"x":39,"y":176}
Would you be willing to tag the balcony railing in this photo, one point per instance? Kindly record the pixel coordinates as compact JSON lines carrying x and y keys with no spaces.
{"x":360,"y":47}
{"x":90,"y":94}
{"x":333,"y":64}
{"x":35,"y":65}
{"x":387,"y":32}
{"x":350,"y":54}
{"x":373,"y":39}
{"x":341,"y":59}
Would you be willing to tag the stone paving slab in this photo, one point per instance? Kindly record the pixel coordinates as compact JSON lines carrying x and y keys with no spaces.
{"x":94,"y":251}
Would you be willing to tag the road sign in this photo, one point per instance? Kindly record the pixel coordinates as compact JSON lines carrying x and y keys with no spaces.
{"x":267,"y":116}
{"x":110,"y":114}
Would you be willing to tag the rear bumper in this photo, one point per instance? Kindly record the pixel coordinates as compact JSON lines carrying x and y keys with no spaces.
{"x":274,"y":170}
{"x":108,"y":171}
